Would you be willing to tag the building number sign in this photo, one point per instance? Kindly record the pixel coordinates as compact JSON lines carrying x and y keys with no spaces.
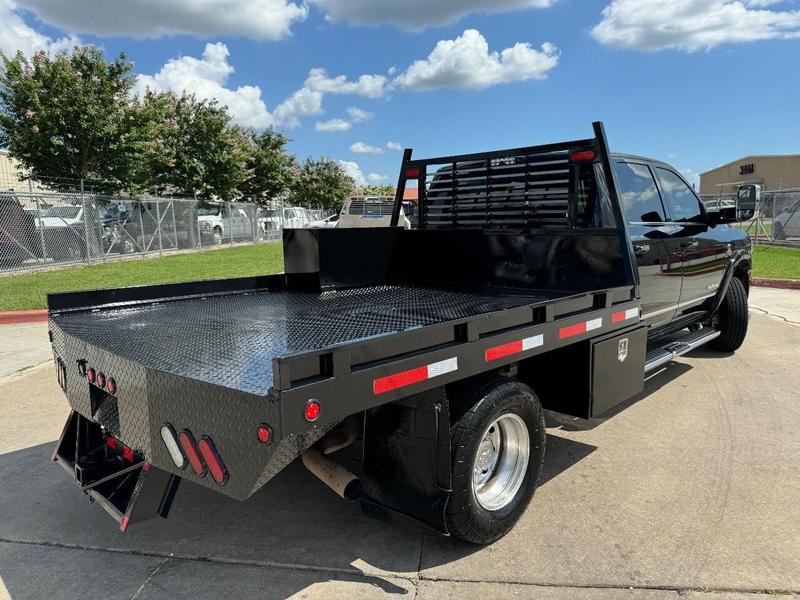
{"x":747,"y":169}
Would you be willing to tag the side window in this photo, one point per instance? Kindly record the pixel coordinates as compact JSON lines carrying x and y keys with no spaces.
{"x":640,"y":200}
{"x":683,"y":204}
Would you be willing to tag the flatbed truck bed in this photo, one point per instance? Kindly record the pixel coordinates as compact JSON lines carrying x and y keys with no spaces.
{"x":432,"y":351}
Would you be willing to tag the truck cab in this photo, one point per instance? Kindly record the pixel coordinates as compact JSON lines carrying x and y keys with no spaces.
{"x":681,"y":249}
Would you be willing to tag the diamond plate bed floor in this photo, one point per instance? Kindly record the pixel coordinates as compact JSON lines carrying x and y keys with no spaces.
{"x":231,"y":340}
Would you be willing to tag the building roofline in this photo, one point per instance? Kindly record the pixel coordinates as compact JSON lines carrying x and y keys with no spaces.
{"x":749,"y":157}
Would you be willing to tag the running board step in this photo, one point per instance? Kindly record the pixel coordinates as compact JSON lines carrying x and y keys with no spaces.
{"x":661,"y":356}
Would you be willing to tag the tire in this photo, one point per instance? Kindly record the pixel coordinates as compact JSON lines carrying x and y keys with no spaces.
{"x":217,"y":236}
{"x":732,"y":318}
{"x":481,"y":508}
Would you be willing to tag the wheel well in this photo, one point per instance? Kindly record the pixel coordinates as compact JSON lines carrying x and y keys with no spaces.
{"x":742,"y":273}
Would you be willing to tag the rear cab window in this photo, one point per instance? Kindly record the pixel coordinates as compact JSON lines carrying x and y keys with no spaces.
{"x":641,"y":202}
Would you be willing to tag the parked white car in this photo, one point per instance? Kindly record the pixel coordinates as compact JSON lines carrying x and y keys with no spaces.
{"x":330,"y":222}
{"x":60,"y":216}
{"x":294,"y":217}
{"x":220,"y":223}
{"x":786,"y":224}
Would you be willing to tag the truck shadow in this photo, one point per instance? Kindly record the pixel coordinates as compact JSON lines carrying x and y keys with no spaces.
{"x":291,"y":535}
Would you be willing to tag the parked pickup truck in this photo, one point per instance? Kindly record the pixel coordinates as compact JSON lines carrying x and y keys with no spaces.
{"x":408,"y":369}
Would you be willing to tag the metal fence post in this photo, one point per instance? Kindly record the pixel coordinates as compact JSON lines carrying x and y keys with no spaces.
{"x":230,"y":222}
{"x":86,"y":223}
{"x":40,"y":222}
{"x":158,"y":226}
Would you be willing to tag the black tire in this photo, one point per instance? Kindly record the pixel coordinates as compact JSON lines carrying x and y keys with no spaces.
{"x":486,"y":401}
{"x":732,"y":318}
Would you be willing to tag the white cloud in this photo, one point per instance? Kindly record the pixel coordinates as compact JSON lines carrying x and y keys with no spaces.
{"x":353,"y":169}
{"x":336,"y":125}
{"x":302,"y":103}
{"x":652,"y":25}
{"x":377,"y":178}
{"x":362,"y":148}
{"x":357,"y":115}
{"x":692,"y":176}
{"x":466,"y":63}
{"x":393,"y":146}
{"x":418,"y":14}
{"x":333,"y":125}
{"x":256,"y":19}
{"x":16,"y":35}
{"x":370,"y":86}
{"x":206,"y":77}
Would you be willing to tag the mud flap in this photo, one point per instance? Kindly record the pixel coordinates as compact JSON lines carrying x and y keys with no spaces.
{"x":128,"y":488}
{"x":407,"y":461}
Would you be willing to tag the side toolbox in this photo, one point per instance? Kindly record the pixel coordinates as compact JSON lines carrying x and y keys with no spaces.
{"x":617,"y":368}
{"x":130,"y":489}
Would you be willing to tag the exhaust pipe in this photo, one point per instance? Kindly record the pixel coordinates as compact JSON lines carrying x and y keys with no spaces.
{"x":335,"y":476}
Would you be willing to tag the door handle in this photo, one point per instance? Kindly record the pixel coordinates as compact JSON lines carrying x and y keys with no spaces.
{"x":641,"y":249}
{"x":690,"y":244}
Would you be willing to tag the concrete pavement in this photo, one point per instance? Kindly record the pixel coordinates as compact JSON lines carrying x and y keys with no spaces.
{"x":23,"y":346}
{"x":690,"y":491}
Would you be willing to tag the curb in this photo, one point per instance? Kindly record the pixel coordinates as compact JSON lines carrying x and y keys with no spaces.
{"x":783,"y":284}
{"x":15,"y":317}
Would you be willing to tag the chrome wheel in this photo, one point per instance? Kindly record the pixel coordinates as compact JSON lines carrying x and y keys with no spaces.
{"x":501,"y":462}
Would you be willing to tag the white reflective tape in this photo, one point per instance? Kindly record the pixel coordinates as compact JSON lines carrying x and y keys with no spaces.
{"x":631,"y":313}
{"x":443,"y":367}
{"x":532,"y":342}
{"x":594,"y":324}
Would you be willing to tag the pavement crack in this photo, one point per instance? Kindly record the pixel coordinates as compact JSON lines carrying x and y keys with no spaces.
{"x":149,"y":578}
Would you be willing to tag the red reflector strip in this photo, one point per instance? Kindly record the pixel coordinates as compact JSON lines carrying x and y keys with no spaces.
{"x":186,"y":440}
{"x":498,"y":352}
{"x":214,"y":462}
{"x":583,"y":155}
{"x":406,"y":378}
{"x":625,"y":315}
{"x":579,"y":328}
{"x":124,"y":525}
{"x":412,"y":173}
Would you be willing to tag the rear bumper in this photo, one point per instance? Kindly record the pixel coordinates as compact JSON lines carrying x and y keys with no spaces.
{"x":146,"y":399}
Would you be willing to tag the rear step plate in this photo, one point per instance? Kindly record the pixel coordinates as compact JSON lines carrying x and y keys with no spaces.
{"x":128,"y":488}
{"x":664,"y":354}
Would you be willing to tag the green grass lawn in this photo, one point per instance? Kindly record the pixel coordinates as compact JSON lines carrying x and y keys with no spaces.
{"x":776,"y":262}
{"x":29,"y":291}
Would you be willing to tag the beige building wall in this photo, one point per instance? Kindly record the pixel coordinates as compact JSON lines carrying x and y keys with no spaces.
{"x":772,"y":172}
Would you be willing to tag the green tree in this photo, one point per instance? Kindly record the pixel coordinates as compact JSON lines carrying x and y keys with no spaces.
{"x":69,"y":117}
{"x":270,"y":169}
{"x":321,"y":183}
{"x":376,"y":190}
{"x":198,"y":151}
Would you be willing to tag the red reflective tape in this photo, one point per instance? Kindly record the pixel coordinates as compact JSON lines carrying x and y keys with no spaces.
{"x":576,"y":329}
{"x":124,"y":525}
{"x":618,"y":317}
{"x":398,"y":380}
{"x":498,"y":352}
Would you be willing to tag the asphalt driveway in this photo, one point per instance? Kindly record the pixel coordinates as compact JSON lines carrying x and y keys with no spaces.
{"x":691,"y":490}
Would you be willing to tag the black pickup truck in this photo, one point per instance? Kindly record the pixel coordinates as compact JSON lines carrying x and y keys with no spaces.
{"x":408,"y":369}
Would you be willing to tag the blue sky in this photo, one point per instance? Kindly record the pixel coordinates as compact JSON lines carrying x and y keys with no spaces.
{"x":693,"y":82}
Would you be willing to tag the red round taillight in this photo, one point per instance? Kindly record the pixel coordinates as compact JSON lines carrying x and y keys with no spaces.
{"x":101,"y":380}
{"x":215,"y":465}
{"x":111,"y":385}
{"x":189,"y":447}
{"x":313,"y":408}
{"x":264,"y":433}
{"x":90,"y":375}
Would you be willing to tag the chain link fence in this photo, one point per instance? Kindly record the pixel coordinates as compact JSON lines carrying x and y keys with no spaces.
{"x":777,"y":218}
{"x":42,"y":229}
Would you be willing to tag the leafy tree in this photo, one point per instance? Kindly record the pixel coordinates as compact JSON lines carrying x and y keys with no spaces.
{"x":269,"y":168}
{"x":376,"y":190}
{"x":321,"y":183}
{"x":197,"y":150}
{"x":69,"y":116}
